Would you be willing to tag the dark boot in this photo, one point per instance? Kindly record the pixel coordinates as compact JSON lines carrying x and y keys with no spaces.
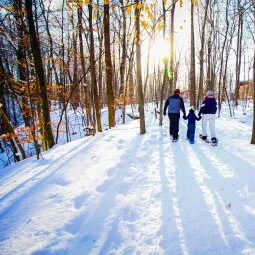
{"x":204,"y":137}
{"x":214,"y":140}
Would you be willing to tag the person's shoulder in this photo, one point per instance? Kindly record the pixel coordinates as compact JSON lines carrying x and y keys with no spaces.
{"x":212,"y":99}
{"x":177,"y":96}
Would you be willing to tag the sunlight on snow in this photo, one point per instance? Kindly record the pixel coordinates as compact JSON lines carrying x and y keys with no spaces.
{"x":176,"y":209}
{"x":200,"y":175}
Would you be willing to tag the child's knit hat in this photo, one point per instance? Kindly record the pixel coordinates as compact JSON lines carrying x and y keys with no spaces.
{"x":210,"y":93}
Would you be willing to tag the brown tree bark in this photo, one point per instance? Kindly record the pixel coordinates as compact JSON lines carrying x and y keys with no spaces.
{"x":239,"y":50}
{"x":83,"y":68}
{"x":76,"y":98}
{"x":40,"y":74}
{"x":93,"y":70}
{"x":253,"y":126}
{"x":22,"y":72}
{"x":171,"y":61}
{"x":222,"y":60}
{"x":100,"y":60}
{"x":201,"y":60}
{"x":192,"y":61}
{"x":124,"y":48}
{"x":165,"y":61}
{"x":139,"y":70}
{"x":108,"y":67}
{"x":7,"y":127}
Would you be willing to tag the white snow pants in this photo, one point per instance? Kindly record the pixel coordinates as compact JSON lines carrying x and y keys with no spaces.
{"x":211,"y":119}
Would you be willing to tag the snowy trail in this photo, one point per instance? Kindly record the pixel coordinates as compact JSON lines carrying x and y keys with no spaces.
{"x":122,"y":193}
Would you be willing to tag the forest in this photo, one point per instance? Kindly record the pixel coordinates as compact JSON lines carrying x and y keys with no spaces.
{"x":85,"y":56}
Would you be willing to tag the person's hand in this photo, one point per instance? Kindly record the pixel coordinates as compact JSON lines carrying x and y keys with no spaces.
{"x":164,"y":114}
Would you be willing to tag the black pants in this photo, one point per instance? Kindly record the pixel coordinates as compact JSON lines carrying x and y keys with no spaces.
{"x":174,"y":124}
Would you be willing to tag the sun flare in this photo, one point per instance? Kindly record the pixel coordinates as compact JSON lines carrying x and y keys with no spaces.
{"x":159,"y":49}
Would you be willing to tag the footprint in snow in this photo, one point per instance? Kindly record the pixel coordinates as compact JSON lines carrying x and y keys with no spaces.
{"x":104,"y":186}
{"x":79,"y":201}
{"x":62,"y":182}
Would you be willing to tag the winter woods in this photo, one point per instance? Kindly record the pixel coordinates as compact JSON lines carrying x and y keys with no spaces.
{"x":85,"y":56}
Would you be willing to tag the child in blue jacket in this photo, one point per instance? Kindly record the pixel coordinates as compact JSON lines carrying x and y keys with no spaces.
{"x":191,"y":125}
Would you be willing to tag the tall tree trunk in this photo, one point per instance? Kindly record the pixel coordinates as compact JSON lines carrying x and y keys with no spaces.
{"x":192,"y":62}
{"x":76,"y":99}
{"x":108,"y":67}
{"x":201,"y":60}
{"x":93,"y":70}
{"x":40,"y":74}
{"x":124,"y":48}
{"x":225,"y":72}
{"x":147,"y":71}
{"x":172,"y":85}
{"x":209,"y":56}
{"x":253,"y":127}
{"x":128,"y":91}
{"x":7,"y":127}
{"x":100,"y":61}
{"x":46,"y":18}
{"x":22,"y":72}
{"x":239,"y":50}
{"x":139,"y":70}
{"x":222,"y":59}
{"x":165,"y":61}
{"x":85,"y":83}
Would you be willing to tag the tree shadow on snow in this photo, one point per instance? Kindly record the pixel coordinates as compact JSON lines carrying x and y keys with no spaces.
{"x":87,"y":235}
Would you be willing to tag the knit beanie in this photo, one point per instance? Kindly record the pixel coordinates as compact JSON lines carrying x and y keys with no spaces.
{"x":177,"y":91}
{"x":210,"y":93}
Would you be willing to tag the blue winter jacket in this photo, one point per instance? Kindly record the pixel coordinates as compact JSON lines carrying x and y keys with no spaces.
{"x":175,"y":104}
{"x":191,"y":117}
{"x":209,"y":106}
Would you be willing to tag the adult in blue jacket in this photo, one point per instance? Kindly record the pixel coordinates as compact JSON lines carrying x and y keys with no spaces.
{"x":208,"y":110}
{"x":174,"y":104}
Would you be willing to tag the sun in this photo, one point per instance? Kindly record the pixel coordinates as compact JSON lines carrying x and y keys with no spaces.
{"x":160,"y":49}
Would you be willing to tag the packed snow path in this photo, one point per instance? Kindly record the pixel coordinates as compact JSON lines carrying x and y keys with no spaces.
{"x":123,"y":193}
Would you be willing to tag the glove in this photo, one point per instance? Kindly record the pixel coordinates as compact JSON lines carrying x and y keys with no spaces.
{"x":164,"y":114}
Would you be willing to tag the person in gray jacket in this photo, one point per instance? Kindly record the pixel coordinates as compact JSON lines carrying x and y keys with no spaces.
{"x":174,"y":104}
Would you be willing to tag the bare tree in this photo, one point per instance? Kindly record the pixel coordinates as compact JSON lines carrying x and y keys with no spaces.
{"x":253,"y":127}
{"x":192,"y":61}
{"x":201,"y":56}
{"x":139,"y":71}
{"x":108,"y":67}
{"x":36,"y":51}
{"x":240,"y":11}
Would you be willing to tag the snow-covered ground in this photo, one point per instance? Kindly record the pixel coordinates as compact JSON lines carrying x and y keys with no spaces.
{"x":76,"y":124}
{"x":124,"y":193}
